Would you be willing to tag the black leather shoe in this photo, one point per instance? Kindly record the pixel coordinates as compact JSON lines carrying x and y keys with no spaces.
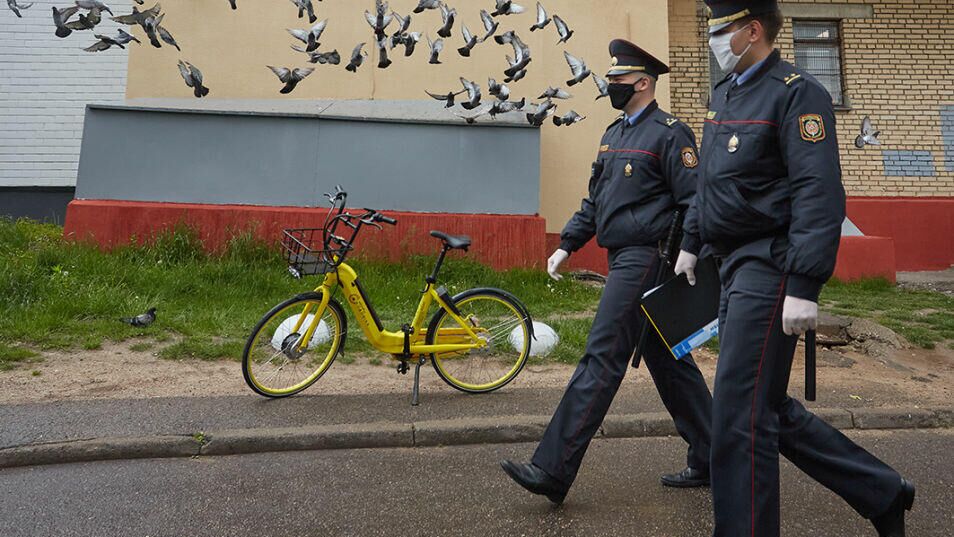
{"x":686,"y":479}
{"x":534,"y":479}
{"x":891,"y":523}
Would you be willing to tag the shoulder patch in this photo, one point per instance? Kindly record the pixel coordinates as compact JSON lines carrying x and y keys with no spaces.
{"x":689,"y":158}
{"x":811,"y":127}
{"x":604,"y":148}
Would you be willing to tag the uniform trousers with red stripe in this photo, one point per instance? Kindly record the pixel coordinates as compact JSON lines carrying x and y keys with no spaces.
{"x":754,"y":419}
{"x":597,"y":378}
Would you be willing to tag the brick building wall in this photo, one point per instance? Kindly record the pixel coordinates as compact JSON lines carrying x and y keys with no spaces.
{"x":45,"y":83}
{"x":898,"y":68}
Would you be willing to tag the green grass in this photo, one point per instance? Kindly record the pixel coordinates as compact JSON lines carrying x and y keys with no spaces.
{"x":65,"y":295}
{"x":11,"y":356}
{"x":924,"y":318}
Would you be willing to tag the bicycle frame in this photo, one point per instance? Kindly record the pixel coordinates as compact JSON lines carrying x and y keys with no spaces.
{"x":458,"y":339}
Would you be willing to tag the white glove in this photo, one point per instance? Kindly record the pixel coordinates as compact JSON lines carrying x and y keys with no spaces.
{"x":553,"y":264}
{"x":686,"y":263}
{"x":799,"y":316}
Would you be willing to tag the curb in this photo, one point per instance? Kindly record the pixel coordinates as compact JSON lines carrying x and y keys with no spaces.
{"x":465,"y":431}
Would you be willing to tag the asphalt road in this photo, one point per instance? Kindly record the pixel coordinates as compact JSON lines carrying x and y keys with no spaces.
{"x":436,"y":491}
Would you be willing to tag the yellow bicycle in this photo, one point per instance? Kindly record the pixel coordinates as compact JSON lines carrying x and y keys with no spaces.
{"x":477,"y":341}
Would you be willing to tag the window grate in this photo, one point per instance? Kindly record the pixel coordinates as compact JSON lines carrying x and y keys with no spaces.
{"x":818,"y":51}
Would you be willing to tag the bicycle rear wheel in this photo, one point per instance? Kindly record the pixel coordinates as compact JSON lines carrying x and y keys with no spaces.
{"x":278,"y":362}
{"x":496,"y":318}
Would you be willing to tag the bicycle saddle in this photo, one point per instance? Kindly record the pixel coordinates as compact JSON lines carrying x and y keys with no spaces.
{"x":454,"y":242}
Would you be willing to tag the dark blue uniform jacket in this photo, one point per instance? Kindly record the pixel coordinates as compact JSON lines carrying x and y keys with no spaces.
{"x":770,"y":168}
{"x":642,"y":174}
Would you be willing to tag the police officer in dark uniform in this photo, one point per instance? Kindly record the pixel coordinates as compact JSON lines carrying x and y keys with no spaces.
{"x":771,"y":204}
{"x":645,"y":171}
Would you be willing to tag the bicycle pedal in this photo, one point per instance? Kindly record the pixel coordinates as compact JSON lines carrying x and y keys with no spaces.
{"x":403,"y":368}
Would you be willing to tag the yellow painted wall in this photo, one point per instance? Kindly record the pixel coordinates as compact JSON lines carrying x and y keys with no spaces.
{"x":232,"y":48}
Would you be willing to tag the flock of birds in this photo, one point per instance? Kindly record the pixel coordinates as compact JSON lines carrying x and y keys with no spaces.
{"x":87,"y":15}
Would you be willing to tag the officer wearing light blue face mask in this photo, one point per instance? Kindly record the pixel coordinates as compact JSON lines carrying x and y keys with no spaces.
{"x":770,"y":204}
{"x":644,"y":172}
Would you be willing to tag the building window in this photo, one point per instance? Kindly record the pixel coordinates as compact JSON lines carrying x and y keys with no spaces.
{"x":818,"y":51}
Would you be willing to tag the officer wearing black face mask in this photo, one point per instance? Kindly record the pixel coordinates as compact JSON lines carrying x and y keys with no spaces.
{"x":771,"y":205}
{"x":645,"y":170}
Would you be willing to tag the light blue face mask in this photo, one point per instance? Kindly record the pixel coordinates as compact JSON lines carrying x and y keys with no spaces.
{"x":721,"y":45}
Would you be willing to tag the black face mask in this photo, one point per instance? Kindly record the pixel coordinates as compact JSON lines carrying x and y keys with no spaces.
{"x":620,"y":94}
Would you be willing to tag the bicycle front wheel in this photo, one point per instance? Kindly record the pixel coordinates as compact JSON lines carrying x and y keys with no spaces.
{"x":292,"y":347}
{"x":497,"y":319}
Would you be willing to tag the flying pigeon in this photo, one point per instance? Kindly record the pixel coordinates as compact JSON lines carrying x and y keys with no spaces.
{"x":473,"y":94}
{"x":86,"y":21}
{"x":310,"y":37}
{"x":578,"y":68}
{"x":515,"y":72}
{"x":60,"y":18}
{"x":447,"y":15}
{"x":565,"y":32}
{"x":332,"y":57}
{"x":380,"y":20}
{"x":142,"y":320}
{"x":290,"y":77}
{"x":137,"y":17}
{"x":868,"y":135}
{"x":602,"y":85}
{"x":427,"y":4}
{"x":232,"y":3}
{"x":542,"y":112}
{"x":472,"y":117}
{"x":150,"y":25}
{"x":410,"y":41}
{"x":502,"y":107}
{"x":569,"y":118}
{"x":555,"y":93}
{"x":193,"y":78}
{"x":489,"y":24}
{"x":542,"y":18}
{"x":357,"y":58}
{"x":500,"y":91}
{"x":106,"y":42}
{"x":470,"y":41}
{"x":436,"y":48}
{"x":303,"y":6}
{"x":167,"y":37}
{"x":507,"y":7}
{"x":15,"y":7}
{"x":448,"y":97}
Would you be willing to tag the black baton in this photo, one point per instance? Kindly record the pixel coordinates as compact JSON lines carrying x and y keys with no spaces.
{"x":810,"y":365}
{"x":666,"y":255}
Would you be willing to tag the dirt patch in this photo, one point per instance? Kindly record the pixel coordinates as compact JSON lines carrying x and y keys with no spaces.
{"x":117,"y":371}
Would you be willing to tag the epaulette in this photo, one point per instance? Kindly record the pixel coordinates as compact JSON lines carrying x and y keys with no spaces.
{"x":667,"y":120}
{"x":788,"y":78}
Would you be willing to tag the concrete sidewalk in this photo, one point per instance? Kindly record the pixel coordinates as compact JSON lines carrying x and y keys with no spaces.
{"x":75,"y":431}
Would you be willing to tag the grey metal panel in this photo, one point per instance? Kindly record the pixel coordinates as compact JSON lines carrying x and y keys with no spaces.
{"x":432,"y":168}
{"x":197,"y":158}
{"x":133,"y":153}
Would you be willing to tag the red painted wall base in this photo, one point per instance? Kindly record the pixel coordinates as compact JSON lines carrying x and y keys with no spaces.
{"x":922,"y":228}
{"x":500,"y":241}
